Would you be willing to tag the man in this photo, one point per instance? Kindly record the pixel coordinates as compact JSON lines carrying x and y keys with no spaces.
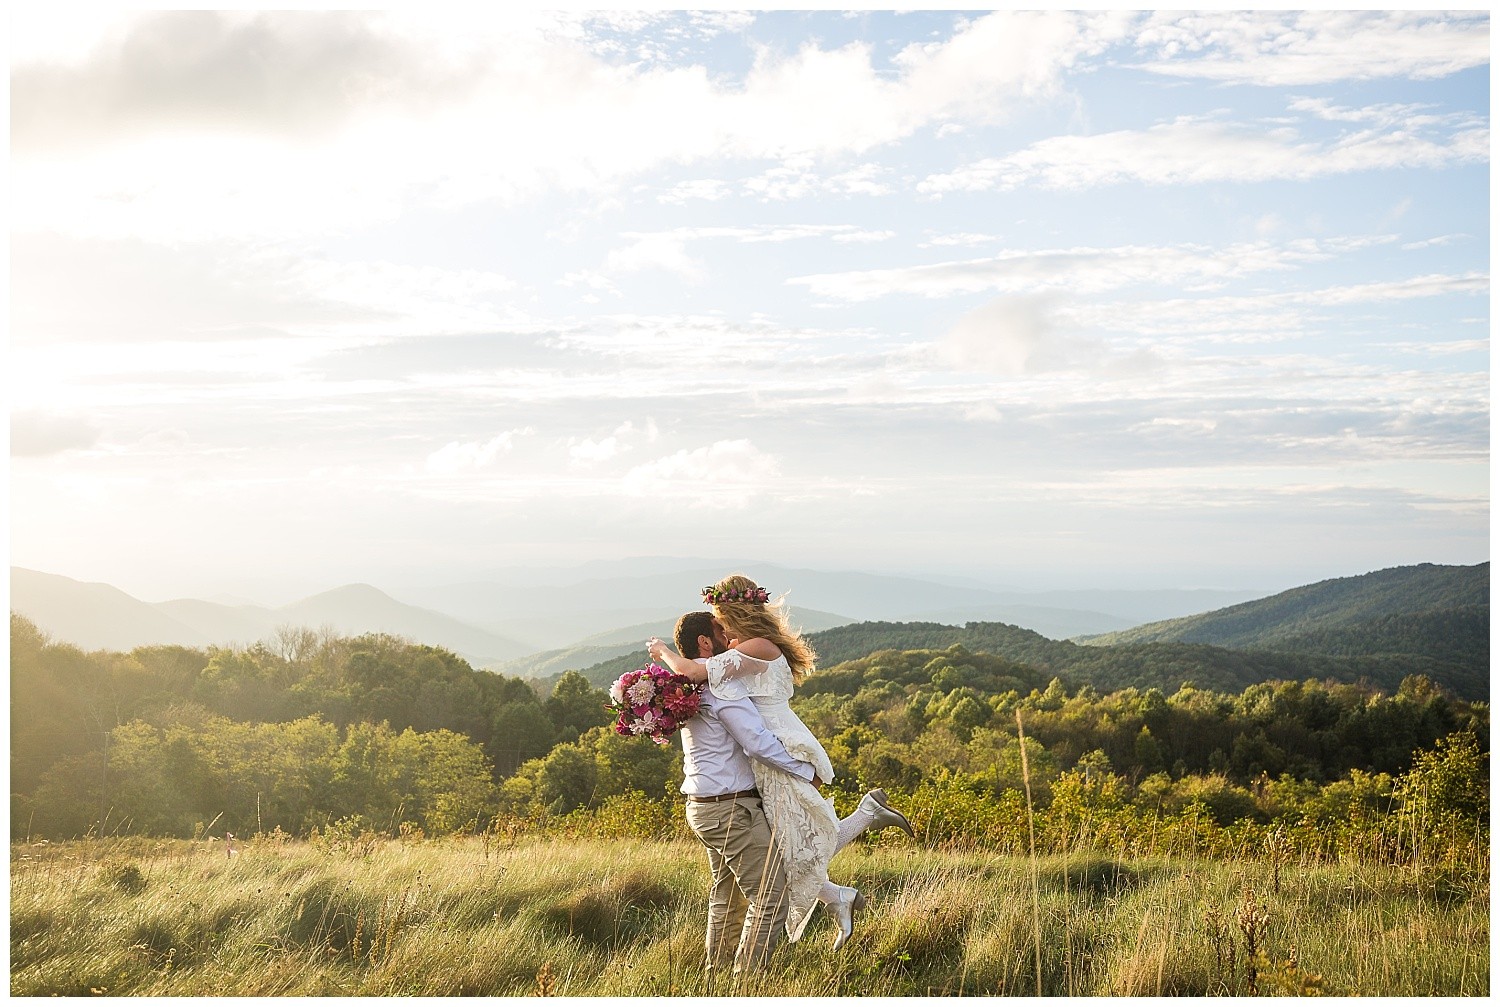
{"x":873,"y":811}
{"x":724,"y":812}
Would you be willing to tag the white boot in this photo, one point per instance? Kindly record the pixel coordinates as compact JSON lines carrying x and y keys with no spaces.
{"x":872,"y":812}
{"x":843,"y":906}
{"x":882,"y":814}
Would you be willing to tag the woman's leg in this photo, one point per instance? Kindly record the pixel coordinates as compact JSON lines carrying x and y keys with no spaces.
{"x":873,"y":811}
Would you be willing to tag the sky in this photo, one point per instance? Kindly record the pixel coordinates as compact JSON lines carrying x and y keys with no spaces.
{"x":1048,"y":300}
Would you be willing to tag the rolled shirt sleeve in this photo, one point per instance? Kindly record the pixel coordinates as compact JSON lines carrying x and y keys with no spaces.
{"x":744,"y":724}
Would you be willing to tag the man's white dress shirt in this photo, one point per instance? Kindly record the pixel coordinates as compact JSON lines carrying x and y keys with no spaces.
{"x":718,"y":744}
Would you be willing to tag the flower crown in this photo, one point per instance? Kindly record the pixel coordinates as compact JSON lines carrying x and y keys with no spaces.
{"x":748,"y":595}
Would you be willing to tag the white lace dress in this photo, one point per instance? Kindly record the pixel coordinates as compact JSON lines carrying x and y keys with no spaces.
{"x":802,"y":820}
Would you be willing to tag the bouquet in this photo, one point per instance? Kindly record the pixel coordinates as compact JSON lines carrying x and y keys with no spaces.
{"x":652,"y":702}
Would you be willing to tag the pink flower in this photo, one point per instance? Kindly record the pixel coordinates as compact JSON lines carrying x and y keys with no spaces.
{"x":652,"y":702}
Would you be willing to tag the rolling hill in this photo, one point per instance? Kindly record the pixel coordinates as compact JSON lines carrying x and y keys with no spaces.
{"x":559,"y":608}
{"x":100,"y":617}
{"x":97,"y":616}
{"x":627,"y":642}
{"x":1342,"y":603}
{"x":1379,"y":628}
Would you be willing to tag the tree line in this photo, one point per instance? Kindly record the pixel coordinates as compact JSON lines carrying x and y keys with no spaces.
{"x":164,"y":737}
{"x":1451,"y":648}
{"x":316,"y":731}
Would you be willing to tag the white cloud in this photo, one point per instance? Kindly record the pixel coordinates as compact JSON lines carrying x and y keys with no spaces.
{"x":166,"y":71}
{"x":783,"y":183}
{"x":1081,"y":270}
{"x":460,"y":456}
{"x":756,"y":233}
{"x":962,"y":238}
{"x":1258,"y":317}
{"x":414,"y":300}
{"x":1441,"y":239}
{"x":1434,"y":285}
{"x":803,"y":178}
{"x":290,"y":123}
{"x":1003,"y":56}
{"x":864,"y":180}
{"x":1009,"y":336}
{"x":727,"y":472}
{"x":588,"y":452}
{"x":1280,"y":48}
{"x":36,"y":434}
{"x":706,"y":189}
{"x":1453,"y":348}
{"x":1390,"y":114}
{"x":98,"y":291}
{"x":664,"y":251}
{"x":1191,"y":151}
{"x":668,"y":250}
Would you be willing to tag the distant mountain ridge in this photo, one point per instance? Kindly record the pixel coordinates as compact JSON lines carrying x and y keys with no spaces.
{"x":540,"y":613}
{"x":555,"y":610}
{"x":629,"y":641}
{"x":1379,"y":628}
{"x":100,"y":617}
{"x":1382,"y":626}
{"x":1343,"y":603}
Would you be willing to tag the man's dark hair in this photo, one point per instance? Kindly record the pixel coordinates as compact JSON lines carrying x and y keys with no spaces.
{"x":689,"y":628}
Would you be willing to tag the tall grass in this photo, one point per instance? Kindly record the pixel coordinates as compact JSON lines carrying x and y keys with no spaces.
{"x":579,"y":917}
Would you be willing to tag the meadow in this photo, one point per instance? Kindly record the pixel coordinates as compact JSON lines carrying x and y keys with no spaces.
{"x":550,"y":915}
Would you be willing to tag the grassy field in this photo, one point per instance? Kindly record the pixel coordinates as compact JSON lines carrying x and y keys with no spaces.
{"x":134,"y":917}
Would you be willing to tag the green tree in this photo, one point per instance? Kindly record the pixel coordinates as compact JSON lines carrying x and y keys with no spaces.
{"x":1147,"y":751}
{"x":566,"y":778}
{"x":575,"y":706}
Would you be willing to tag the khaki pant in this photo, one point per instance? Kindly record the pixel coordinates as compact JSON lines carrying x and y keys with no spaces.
{"x":747,"y":901}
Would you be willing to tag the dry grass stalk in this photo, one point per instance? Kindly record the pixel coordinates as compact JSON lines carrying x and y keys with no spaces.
{"x":1036,"y":885}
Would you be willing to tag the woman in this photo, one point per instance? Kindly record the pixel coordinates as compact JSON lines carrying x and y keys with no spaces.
{"x":765,"y":660}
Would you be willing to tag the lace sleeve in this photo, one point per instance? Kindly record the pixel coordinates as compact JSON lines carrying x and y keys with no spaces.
{"x":732,"y":675}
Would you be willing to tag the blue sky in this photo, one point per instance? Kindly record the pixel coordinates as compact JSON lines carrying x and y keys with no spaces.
{"x":1049,"y":299}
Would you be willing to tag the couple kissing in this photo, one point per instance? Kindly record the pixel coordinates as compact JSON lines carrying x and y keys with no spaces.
{"x":752,"y":771}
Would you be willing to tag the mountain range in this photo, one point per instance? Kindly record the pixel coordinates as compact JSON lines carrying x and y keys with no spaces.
{"x":555,"y":609}
{"x":1379,"y":628}
{"x":530,"y":622}
{"x":101,"y":617}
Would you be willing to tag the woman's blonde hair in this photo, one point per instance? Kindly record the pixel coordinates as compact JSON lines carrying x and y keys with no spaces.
{"x":746,"y":620}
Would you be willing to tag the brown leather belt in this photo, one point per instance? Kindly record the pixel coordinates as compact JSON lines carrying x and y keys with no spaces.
{"x":737,"y":795}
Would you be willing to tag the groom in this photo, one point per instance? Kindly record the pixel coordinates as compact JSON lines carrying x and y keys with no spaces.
{"x":724,"y":812}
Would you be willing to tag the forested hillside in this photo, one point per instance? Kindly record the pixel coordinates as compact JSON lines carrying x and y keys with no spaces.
{"x":324,"y":732}
{"x":1451,"y":649}
{"x":305,"y":730}
{"x":1345,"y":603}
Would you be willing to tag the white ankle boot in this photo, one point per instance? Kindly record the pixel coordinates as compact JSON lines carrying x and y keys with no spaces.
{"x":882,"y":814}
{"x":849,"y":900}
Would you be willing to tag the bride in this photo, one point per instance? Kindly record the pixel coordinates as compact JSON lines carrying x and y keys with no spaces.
{"x":765,"y":658}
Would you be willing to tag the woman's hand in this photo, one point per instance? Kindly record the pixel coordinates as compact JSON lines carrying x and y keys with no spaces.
{"x":664,"y":655}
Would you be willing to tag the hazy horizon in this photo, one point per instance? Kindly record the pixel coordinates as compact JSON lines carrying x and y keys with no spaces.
{"x":273,"y":594}
{"x":1048,"y":300}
